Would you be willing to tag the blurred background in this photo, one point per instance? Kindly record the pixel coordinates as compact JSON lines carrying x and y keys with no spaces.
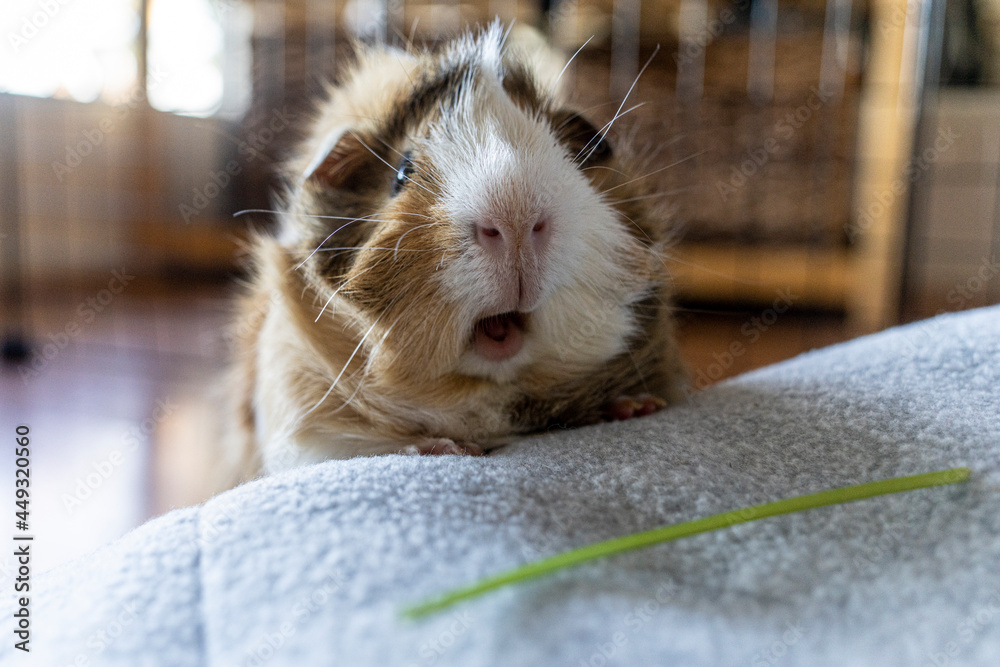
{"x":831,"y":165}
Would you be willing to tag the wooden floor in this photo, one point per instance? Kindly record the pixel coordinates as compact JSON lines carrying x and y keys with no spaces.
{"x":118,"y":405}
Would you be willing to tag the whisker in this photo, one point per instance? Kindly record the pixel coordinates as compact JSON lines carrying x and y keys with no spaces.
{"x":619,"y":114}
{"x":333,"y":217}
{"x":255,"y":210}
{"x":344,"y":217}
{"x":366,"y":217}
{"x":604,"y":131}
{"x":413,"y":31}
{"x":672,"y":258}
{"x":656,"y":171}
{"x":339,"y":375}
{"x":426,"y":173}
{"x":636,"y":225}
{"x":395,"y":250}
{"x":665,"y":193}
{"x":360,"y":273}
{"x":353,"y":394}
{"x":317,"y":215}
{"x":637,"y":77}
{"x":340,"y":287}
{"x":555,"y":83}
{"x":382,"y":160}
{"x":361,"y":247}
{"x":325,"y":305}
{"x":592,"y":107}
{"x":600,"y":166}
{"x":367,"y":370}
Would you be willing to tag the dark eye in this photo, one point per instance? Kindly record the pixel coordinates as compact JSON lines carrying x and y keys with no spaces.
{"x":584,"y":141}
{"x":599,"y":150}
{"x":403,"y":172}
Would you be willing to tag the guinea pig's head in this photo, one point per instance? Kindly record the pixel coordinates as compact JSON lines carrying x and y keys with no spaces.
{"x":469,"y":221}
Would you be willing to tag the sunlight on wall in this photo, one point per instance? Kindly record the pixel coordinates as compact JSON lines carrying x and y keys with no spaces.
{"x":85,"y":50}
{"x":185,"y":44}
{"x":70,"y":49}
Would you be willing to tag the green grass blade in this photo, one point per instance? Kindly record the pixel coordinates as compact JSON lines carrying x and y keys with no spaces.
{"x":716,"y":521}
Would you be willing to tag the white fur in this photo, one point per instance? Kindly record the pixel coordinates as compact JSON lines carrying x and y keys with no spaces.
{"x":498,"y":161}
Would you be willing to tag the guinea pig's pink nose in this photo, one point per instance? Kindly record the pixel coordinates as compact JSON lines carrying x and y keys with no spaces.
{"x":516,"y":250}
{"x":499,"y":237}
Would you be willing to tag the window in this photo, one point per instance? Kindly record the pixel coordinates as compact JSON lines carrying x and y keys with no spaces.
{"x":198,"y":52}
{"x":71,"y":49}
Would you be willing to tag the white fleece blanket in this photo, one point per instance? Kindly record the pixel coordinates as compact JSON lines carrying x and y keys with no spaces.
{"x":312,"y":567}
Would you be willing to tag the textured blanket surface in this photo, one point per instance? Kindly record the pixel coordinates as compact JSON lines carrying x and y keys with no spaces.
{"x":313,"y":566}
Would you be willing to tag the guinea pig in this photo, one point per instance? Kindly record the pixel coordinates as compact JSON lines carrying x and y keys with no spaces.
{"x":461,"y":258}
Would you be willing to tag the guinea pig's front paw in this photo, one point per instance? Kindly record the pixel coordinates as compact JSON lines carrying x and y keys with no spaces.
{"x":626,"y":407}
{"x":438,"y":446}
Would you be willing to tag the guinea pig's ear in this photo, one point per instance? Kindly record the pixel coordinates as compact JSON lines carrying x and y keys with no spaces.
{"x":584,"y":141}
{"x":545,"y":62}
{"x":341,"y":161}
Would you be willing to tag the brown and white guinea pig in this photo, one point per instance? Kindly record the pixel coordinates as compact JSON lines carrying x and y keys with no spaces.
{"x":461,"y":258}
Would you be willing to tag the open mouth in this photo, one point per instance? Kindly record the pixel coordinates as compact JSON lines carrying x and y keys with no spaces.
{"x":500,"y":337}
